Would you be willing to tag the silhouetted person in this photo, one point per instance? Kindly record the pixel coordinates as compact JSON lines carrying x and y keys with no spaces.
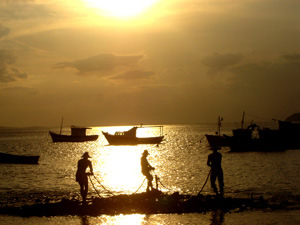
{"x":81,"y":175}
{"x":214,"y":161}
{"x":146,"y":168}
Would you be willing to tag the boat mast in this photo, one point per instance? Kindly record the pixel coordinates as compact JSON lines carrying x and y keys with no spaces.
{"x":219,"y":125}
{"x":243,"y":119}
{"x":62,"y":120}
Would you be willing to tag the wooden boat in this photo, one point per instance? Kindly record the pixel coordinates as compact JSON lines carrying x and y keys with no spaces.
{"x":253,"y":138}
{"x":290,"y":133}
{"x":217,"y":141}
{"x":78,"y":134}
{"x":18,"y":159}
{"x":129,"y":137}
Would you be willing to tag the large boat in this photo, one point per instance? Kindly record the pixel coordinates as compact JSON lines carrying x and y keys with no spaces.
{"x":255,"y":138}
{"x":290,"y":131}
{"x":18,"y":159}
{"x":78,"y":134}
{"x":129,"y":137}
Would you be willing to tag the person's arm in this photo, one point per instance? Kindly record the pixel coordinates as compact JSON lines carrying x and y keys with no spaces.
{"x":91,"y":168}
{"x":208,"y":161}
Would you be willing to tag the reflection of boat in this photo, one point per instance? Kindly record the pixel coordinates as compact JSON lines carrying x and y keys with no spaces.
{"x":217,"y":140}
{"x":18,"y":159}
{"x":78,"y":134}
{"x":129,"y":137}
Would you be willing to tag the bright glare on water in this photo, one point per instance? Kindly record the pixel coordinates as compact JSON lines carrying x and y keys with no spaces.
{"x":180,"y":163}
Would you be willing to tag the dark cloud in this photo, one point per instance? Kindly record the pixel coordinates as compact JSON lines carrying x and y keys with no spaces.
{"x":3,"y":31}
{"x":292,"y":57}
{"x":7,"y":72}
{"x":134,"y":75}
{"x":219,"y":62}
{"x":24,"y":9}
{"x":276,"y":78}
{"x":100,"y":63}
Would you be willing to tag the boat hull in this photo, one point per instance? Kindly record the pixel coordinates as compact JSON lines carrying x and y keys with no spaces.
{"x":216,"y":141}
{"x":72,"y":138}
{"x":124,"y":140}
{"x":18,"y":159}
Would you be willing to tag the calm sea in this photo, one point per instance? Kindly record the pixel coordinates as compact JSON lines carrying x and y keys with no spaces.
{"x":180,"y":163}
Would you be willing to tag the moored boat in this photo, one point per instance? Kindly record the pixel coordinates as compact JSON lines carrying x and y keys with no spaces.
{"x":254,"y":138}
{"x":217,"y":141}
{"x":290,"y":133}
{"x":18,"y":159}
{"x":129,"y":137}
{"x":78,"y":134}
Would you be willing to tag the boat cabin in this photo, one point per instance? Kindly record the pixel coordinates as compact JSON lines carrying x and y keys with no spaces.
{"x":129,"y":133}
{"x":79,"y":131}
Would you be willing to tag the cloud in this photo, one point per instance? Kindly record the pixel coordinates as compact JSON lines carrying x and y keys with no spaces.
{"x":100,"y":63}
{"x":3,"y":31}
{"x":134,"y":75}
{"x":292,"y":57}
{"x":20,"y":89}
{"x":275,"y":78}
{"x":24,"y":9}
{"x":219,"y":62}
{"x":8,"y":73}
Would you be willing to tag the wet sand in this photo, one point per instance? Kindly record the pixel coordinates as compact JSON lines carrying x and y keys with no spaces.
{"x":145,"y":203}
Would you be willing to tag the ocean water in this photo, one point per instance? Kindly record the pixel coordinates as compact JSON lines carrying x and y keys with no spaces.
{"x":180,"y":163}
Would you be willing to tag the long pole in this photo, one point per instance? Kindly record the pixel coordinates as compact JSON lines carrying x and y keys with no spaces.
{"x":62,"y":120}
{"x":243,"y":119}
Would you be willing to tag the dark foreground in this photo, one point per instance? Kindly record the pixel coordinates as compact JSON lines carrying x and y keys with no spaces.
{"x":145,"y":203}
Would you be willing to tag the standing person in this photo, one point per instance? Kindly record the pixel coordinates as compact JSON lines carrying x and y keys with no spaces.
{"x":81,"y":175}
{"x":214,"y":161}
{"x":146,"y":168}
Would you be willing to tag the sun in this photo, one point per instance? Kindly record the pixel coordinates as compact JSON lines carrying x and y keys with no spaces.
{"x":121,"y":8}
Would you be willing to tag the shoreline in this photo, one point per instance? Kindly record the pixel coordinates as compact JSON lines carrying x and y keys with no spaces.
{"x":146,"y":203}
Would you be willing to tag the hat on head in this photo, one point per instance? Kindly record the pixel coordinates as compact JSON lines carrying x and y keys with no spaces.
{"x":146,"y":152}
{"x":86,"y":155}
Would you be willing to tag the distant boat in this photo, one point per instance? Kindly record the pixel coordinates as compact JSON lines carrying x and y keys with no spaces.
{"x":129,"y":137}
{"x":217,"y":141}
{"x":18,"y":159}
{"x":78,"y":134}
{"x":290,"y":133}
{"x":253,"y":138}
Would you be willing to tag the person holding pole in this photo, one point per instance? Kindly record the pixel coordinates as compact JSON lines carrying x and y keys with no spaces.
{"x":146,"y":168}
{"x":82,"y":176}
{"x":214,"y":161}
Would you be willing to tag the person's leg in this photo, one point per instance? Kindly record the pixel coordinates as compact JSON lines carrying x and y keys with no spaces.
{"x":221,"y":183}
{"x":149,"y":185}
{"x":82,"y":190}
{"x":213,"y":178}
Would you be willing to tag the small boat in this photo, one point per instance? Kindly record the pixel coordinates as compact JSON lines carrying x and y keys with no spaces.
{"x":129,"y":137}
{"x":78,"y":134}
{"x":18,"y":159}
{"x":217,"y":141}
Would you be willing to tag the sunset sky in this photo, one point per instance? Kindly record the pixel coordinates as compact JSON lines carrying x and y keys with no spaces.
{"x":147,"y":61}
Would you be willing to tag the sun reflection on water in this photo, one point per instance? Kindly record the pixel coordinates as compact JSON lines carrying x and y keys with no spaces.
{"x":121,"y":219}
{"x":119,"y":168}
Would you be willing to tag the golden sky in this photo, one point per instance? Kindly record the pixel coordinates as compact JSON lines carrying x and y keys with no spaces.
{"x":153,"y":61}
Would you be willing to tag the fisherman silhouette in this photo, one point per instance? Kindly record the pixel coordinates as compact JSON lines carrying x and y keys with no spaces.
{"x":81,"y":175}
{"x":214,"y":161}
{"x":146,"y":168}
